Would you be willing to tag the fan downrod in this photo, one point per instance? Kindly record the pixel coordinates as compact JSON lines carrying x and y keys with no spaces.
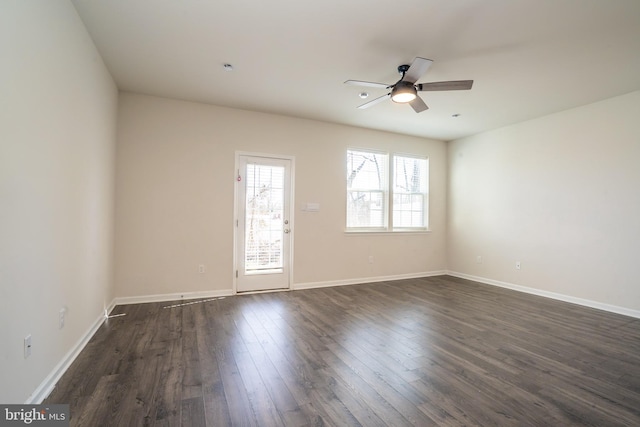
{"x":403,"y":68}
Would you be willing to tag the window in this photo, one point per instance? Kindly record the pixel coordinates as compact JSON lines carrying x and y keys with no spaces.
{"x":371,"y":206}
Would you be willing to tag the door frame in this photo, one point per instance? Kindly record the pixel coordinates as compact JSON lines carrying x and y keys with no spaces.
{"x":236,"y":220}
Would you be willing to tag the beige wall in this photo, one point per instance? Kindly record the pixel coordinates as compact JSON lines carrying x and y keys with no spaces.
{"x":175,"y":197}
{"x":559,"y":194}
{"x":57,"y":139}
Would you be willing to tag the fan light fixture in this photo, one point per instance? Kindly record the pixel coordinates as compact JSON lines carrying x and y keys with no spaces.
{"x":403,"y":92}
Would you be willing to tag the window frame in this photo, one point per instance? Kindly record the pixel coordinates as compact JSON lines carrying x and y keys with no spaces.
{"x":388,"y":194}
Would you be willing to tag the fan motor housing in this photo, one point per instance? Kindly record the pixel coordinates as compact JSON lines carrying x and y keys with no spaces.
{"x":401,"y":90}
{"x":404,"y":86}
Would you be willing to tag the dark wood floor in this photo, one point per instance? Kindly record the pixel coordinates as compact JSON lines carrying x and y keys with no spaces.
{"x":432,"y":351}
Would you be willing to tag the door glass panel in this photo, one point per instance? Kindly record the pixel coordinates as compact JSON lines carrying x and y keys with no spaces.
{"x":264,"y":219}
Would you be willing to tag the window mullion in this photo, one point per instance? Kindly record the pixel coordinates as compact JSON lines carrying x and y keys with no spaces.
{"x":390,"y":183}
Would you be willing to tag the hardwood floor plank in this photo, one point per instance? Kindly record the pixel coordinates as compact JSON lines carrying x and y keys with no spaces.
{"x":99,"y":408}
{"x":215,"y":403}
{"x":192,"y":412}
{"x":170,"y":386}
{"x":258,"y":394}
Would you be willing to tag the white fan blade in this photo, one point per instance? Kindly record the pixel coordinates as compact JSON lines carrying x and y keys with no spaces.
{"x":418,"y":105}
{"x":375,"y":101}
{"x":418,"y":67}
{"x":367,"y":84}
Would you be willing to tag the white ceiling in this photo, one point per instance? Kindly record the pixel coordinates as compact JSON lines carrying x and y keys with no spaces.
{"x":528,"y":58}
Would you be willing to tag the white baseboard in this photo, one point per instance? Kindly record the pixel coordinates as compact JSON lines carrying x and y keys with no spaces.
{"x":178,"y":296}
{"x":553,"y":295}
{"x":47,"y":386}
{"x":330,"y":283}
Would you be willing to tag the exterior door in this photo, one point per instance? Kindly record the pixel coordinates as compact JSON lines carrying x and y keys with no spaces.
{"x":263,"y":223}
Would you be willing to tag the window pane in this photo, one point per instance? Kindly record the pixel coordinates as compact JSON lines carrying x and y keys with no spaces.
{"x":264,"y":213}
{"x":365,"y":209}
{"x":409,"y":175}
{"x":366,"y":171}
{"x":417,"y":202}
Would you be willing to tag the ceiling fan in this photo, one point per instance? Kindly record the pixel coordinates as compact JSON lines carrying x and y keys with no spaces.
{"x":405,"y":90}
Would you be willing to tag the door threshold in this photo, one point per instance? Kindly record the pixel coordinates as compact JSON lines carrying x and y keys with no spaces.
{"x":262,"y":292}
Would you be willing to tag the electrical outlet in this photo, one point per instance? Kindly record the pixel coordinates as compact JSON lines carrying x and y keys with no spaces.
{"x":370,"y":259}
{"x":479,"y":259}
{"x":517,"y":265}
{"x":61,"y":314}
{"x":202,"y":269}
{"x":27,"y":346}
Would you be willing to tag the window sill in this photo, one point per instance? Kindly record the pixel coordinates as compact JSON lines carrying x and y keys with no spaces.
{"x":384,"y":232}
